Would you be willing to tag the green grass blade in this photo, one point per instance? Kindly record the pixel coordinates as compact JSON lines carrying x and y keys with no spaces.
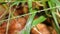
{"x":28,"y":25}
{"x":15,"y":3}
{"x":51,"y":4}
{"x":30,"y":19}
{"x":56,"y":2}
{"x":38,"y":20}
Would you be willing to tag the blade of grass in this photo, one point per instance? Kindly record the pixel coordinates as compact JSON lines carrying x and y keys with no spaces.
{"x":28,"y":25}
{"x":56,"y":2}
{"x":38,"y":20}
{"x":51,"y":4}
{"x":15,"y":3}
{"x":30,"y":19}
{"x":7,"y":27}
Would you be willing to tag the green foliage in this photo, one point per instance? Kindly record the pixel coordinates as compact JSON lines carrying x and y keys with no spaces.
{"x":56,"y":25}
{"x":15,"y":3}
{"x":31,"y":22}
{"x":56,"y":2}
{"x":30,"y":19}
{"x":38,"y":20}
